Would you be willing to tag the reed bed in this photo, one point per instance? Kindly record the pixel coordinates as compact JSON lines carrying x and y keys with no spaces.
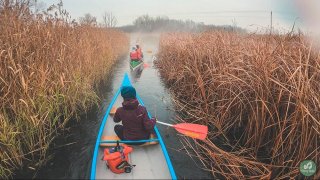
{"x":49,"y":70}
{"x":259,"y":95}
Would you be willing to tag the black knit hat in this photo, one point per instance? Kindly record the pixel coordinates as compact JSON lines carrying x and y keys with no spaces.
{"x":128,"y":92}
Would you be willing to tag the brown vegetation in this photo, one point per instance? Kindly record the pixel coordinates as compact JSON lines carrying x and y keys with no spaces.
{"x":49,"y":68}
{"x":259,"y":94}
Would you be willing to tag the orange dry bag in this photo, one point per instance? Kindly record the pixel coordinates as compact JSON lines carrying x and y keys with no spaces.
{"x":117,"y":158}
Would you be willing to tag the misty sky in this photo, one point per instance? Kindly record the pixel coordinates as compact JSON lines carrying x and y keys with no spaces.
{"x":250,"y":14}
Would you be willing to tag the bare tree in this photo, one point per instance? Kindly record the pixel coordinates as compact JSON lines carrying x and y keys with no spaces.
{"x":234,"y":25}
{"x":109,"y":20}
{"x":88,"y":19}
{"x":38,"y":6}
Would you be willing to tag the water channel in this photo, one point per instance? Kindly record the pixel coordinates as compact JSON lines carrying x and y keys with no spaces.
{"x":73,"y":150}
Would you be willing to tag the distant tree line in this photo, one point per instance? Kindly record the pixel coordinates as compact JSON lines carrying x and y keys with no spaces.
{"x":145,"y":23}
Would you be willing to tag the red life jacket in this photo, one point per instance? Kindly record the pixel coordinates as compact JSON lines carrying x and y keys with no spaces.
{"x":139,"y":53}
{"x":134,"y":55}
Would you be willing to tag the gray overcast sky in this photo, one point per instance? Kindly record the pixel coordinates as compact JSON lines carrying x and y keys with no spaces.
{"x":250,"y":14}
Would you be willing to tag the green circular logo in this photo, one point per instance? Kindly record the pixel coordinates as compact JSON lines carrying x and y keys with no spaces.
{"x":308,"y":167}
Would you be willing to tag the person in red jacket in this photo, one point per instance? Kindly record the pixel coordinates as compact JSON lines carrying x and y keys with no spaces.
{"x":136,"y":124}
{"x":139,"y":50}
{"x":134,"y":56}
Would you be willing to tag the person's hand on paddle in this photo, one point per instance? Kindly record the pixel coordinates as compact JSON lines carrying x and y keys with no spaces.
{"x":154,"y":120}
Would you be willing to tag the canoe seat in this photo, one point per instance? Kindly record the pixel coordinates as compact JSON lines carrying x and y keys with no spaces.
{"x":116,"y":138}
{"x":113,"y":111}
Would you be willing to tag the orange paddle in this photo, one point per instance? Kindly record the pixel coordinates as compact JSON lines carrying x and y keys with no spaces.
{"x":196,"y":131}
{"x":145,"y":65}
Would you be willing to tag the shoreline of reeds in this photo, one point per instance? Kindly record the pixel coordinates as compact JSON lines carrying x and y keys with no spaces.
{"x":259,"y":95}
{"x":50,"y":68}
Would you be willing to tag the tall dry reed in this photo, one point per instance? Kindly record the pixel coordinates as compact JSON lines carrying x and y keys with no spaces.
{"x":259,"y":94}
{"x":49,"y":68}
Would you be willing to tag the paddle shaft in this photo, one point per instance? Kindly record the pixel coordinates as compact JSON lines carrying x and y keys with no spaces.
{"x":164,"y":123}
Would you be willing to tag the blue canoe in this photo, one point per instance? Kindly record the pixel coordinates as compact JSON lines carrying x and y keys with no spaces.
{"x":152,"y":162}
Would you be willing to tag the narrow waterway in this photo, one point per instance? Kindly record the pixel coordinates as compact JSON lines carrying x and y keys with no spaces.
{"x":72,"y":159}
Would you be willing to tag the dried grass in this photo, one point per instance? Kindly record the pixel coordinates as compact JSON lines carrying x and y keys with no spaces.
{"x":259,"y":94}
{"x":49,"y":68}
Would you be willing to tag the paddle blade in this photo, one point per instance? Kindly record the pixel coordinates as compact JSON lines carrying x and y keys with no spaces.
{"x":145,"y":65}
{"x":196,"y":131}
{"x":149,"y":51}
